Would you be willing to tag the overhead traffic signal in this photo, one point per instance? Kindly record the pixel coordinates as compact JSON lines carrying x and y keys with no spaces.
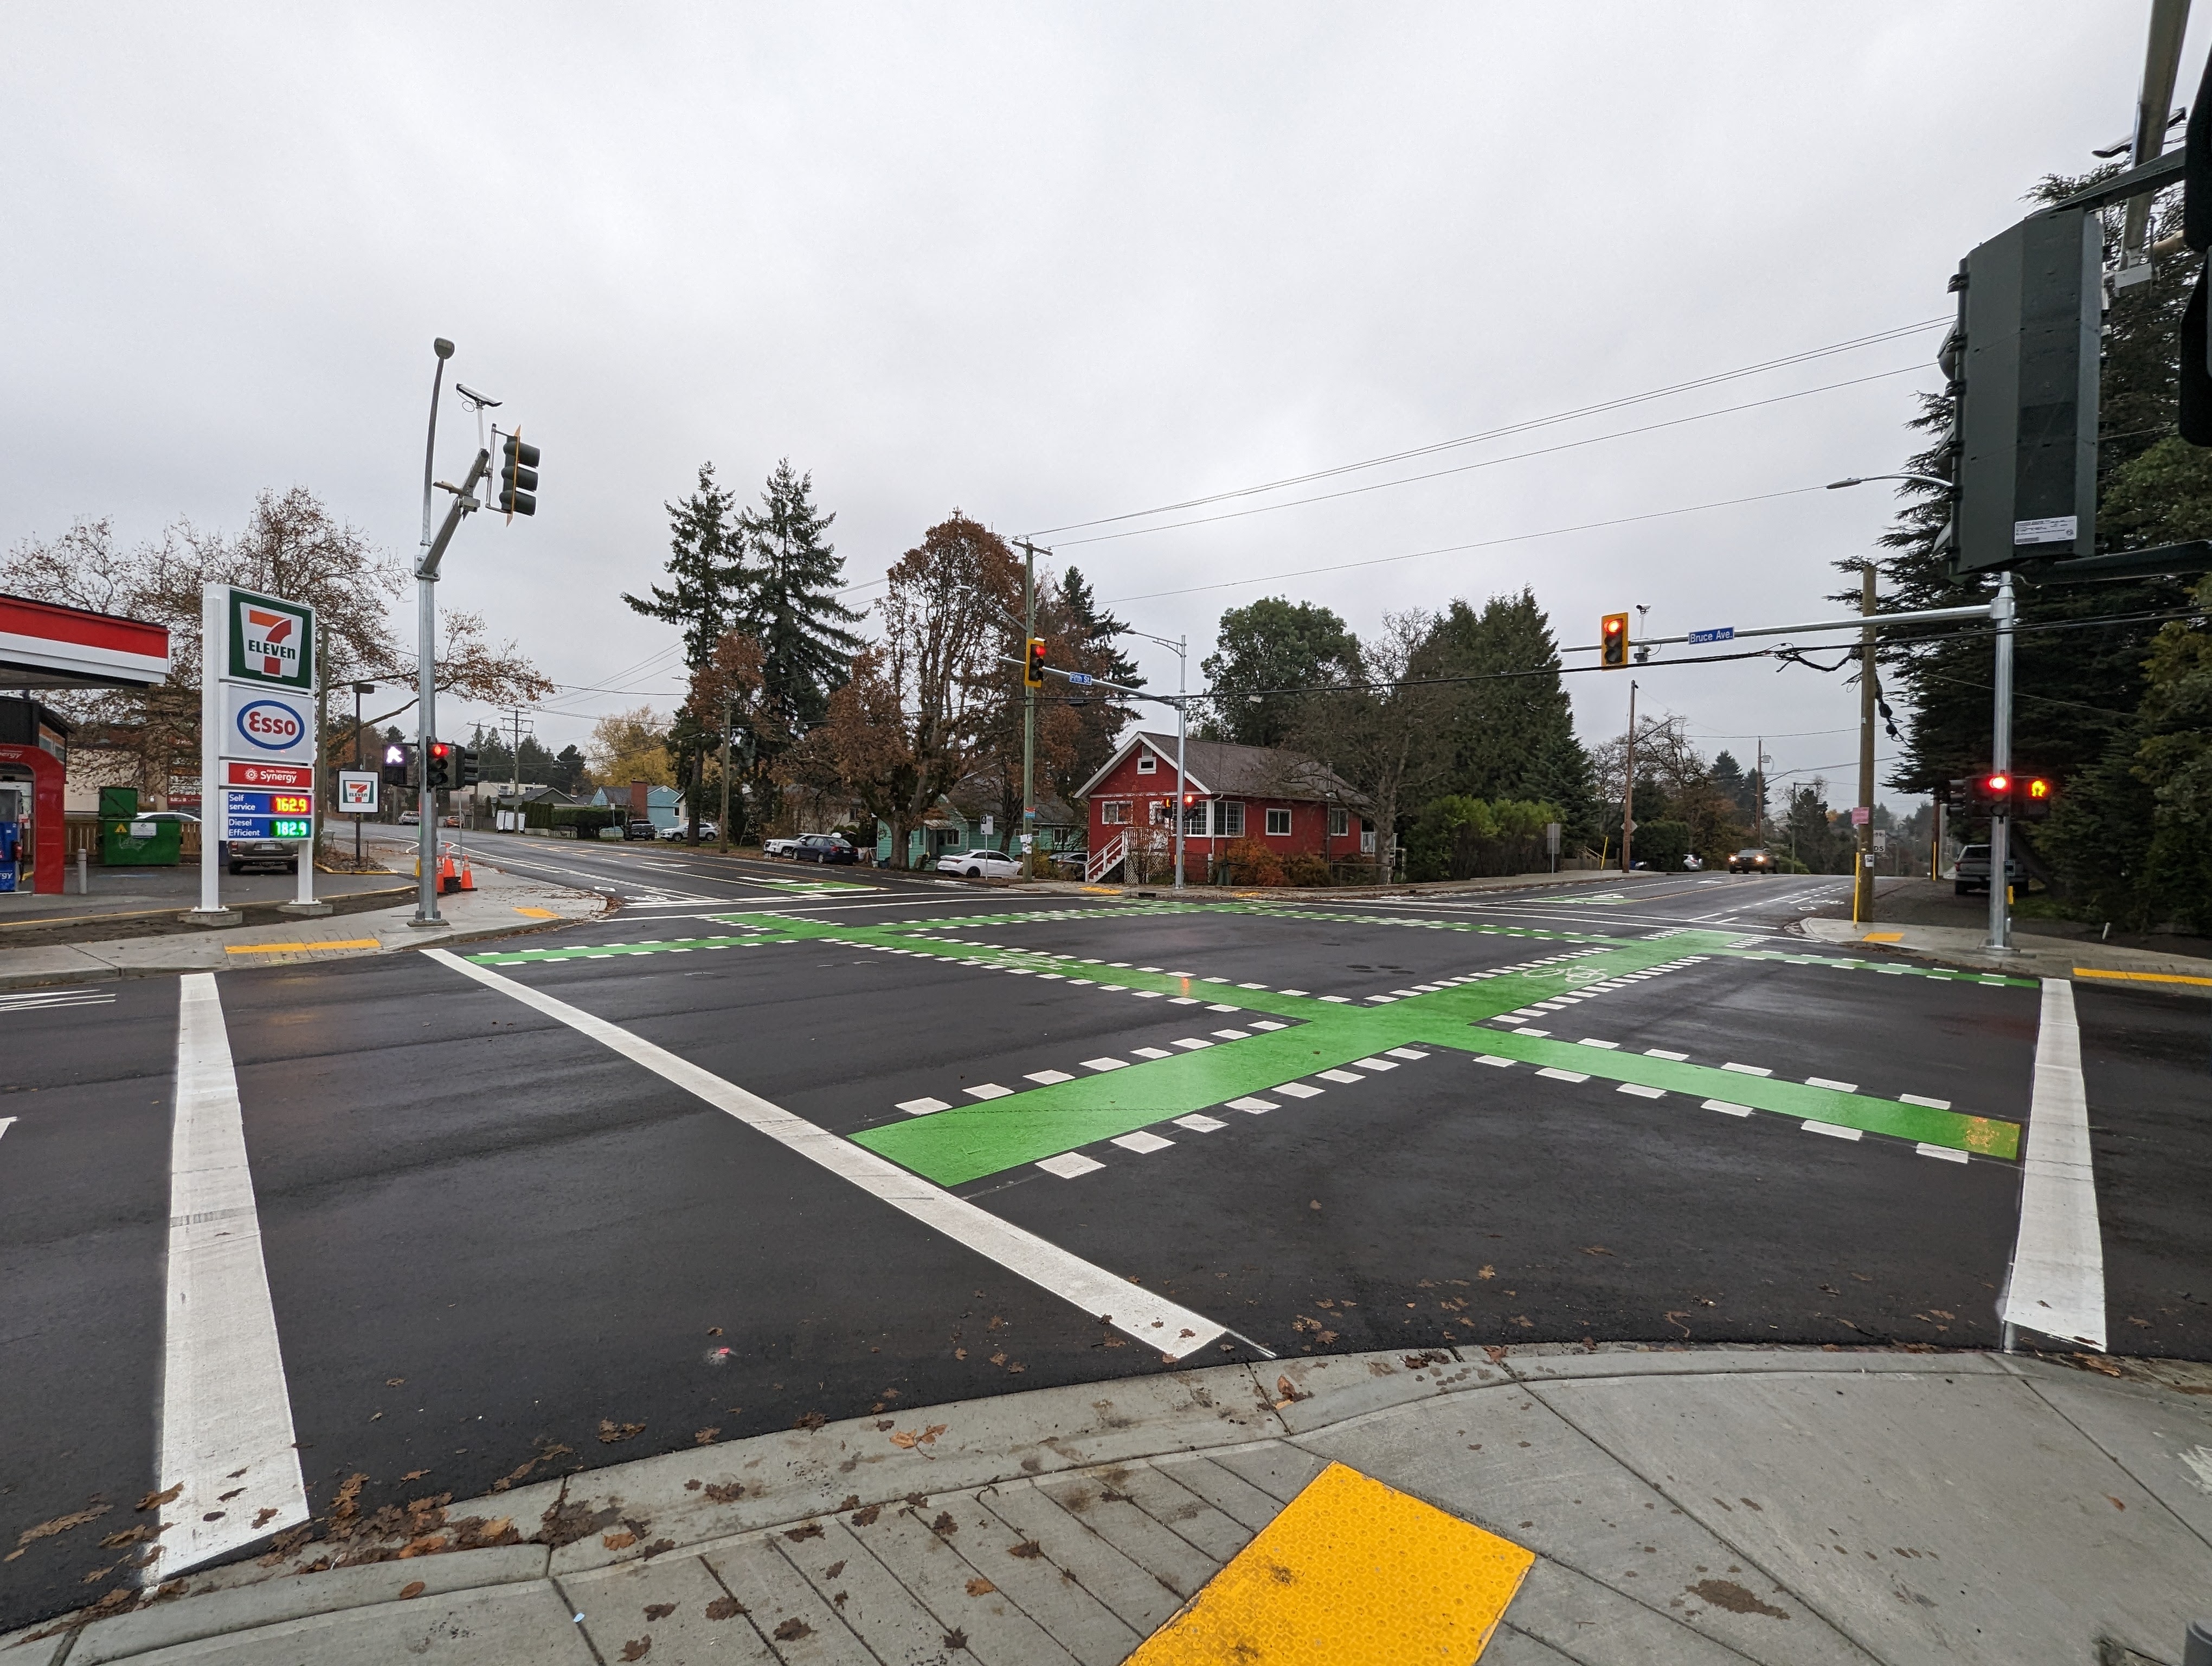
{"x":1612,"y":642}
{"x":399,"y":766}
{"x":1033,"y":670}
{"x":440,"y":765}
{"x":518,"y":478}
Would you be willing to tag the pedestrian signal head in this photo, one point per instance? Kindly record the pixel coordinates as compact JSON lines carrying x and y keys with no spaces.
{"x":1612,"y":642}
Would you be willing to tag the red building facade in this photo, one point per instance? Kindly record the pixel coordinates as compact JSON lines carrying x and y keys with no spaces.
{"x":1286,"y":802}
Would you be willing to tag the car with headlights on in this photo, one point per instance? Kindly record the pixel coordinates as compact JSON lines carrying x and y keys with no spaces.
{"x":1754,"y":859}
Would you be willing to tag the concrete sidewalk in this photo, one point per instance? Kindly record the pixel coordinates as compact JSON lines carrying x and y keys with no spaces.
{"x":1681,"y":1505}
{"x":2033,"y":956}
{"x":502,"y":905}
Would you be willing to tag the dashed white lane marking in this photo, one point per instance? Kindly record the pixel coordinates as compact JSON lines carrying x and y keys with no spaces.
{"x":1291,"y":991}
{"x":1492,"y":1058}
{"x":6,"y":1123}
{"x":1339,"y":1077}
{"x":2056,"y":1283}
{"x":1824,"y":1081}
{"x":1140,"y":1142}
{"x":1405,"y":1053}
{"x":1592,"y":1041}
{"x":1191,"y":1043}
{"x":1105,"y":1064}
{"x":1375,"y":1064}
{"x":1069,"y":1165}
{"x":1833,"y":1130}
{"x":1558,"y":1075}
{"x":1663,"y":1053}
{"x":986,"y":1091}
{"x":1300,"y":1090}
{"x":1174,"y":1329}
{"x":1932,"y":1104}
{"x":1538,"y":1034}
{"x":1748,"y":1069}
{"x":921,"y":1107}
{"x":1200,"y":1124}
{"x":1256,"y":1107}
{"x":1270,"y":1024}
{"x":226,"y":1435}
{"x":1726,"y":1109}
{"x":1047,"y":1078}
{"x":1943,"y":1152}
{"x":1642,"y":1092}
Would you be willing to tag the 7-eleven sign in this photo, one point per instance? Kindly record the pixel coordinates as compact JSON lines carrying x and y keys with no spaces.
{"x":271,"y":641}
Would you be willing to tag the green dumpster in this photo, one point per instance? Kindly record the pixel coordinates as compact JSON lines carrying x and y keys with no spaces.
{"x":129,"y":840}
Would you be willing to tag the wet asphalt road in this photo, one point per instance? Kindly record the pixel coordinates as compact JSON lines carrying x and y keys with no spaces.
{"x":497,"y":1249}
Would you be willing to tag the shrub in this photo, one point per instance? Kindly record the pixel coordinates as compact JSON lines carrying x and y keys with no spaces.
{"x":1250,"y":862}
{"x":1307,"y":868}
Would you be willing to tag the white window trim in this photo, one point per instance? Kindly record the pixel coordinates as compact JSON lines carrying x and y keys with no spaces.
{"x":1275,"y":811}
{"x":1148,"y":763}
{"x":1339,"y":822}
{"x":1113,"y":812}
{"x":1231,"y":812}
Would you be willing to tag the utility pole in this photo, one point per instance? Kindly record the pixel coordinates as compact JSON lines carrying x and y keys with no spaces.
{"x":426,"y":674}
{"x":1862,"y":875}
{"x":514,"y":755}
{"x":1628,"y":784}
{"x":1758,"y":792}
{"x":723,"y":825}
{"x":1028,"y":714}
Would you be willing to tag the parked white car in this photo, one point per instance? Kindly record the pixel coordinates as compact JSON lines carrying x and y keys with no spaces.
{"x":779,"y":847}
{"x":980,"y":864}
{"x":676,"y":834}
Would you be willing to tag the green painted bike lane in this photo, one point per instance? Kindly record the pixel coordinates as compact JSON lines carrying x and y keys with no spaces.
{"x":969,"y":1142}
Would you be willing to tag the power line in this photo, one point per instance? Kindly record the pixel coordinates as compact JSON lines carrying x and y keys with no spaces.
{"x":1509,"y":429}
{"x":1457,"y":549}
{"x":1487,"y":463}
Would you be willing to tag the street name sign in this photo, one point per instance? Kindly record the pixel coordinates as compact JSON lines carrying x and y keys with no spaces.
{"x":1719,"y":634}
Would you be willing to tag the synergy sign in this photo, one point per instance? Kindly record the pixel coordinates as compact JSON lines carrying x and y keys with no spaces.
{"x":271,"y":641}
{"x":267,"y":726}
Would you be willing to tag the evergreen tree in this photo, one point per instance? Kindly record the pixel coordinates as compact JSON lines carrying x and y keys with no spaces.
{"x":2076,"y":690}
{"x":791,"y":602}
{"x":569,"y":771}
{"x":705,"y":569}
{"x":1092,"y":639}
{"x":1511,"y":736}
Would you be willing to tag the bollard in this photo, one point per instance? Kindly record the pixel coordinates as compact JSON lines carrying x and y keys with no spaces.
{"x":84,"y":874}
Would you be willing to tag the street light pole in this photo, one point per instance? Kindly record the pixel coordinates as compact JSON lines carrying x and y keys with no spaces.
{"x":2000,"y":935}
{"x":426,"y":674}
{"x":359,"y":690}
{"x":1028,"y":714}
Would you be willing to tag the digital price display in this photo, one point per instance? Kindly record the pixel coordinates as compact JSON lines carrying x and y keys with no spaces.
{"x":287,"y":827}
{"x":268,"y":815}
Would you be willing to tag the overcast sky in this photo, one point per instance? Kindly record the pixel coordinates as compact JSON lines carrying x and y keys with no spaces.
{"x":1046,"y":264}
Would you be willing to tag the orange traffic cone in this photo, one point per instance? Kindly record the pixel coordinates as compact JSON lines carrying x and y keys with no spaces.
{"x":468,"y":874}
{"x":448,"y":881}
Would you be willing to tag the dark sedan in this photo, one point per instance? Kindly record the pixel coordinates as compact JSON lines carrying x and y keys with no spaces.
{"x":823,"y":847}
{"x":1753,"y":861}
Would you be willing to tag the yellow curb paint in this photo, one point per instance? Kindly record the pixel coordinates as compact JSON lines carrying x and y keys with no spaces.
{"x":2140,"y":978}
{"x":539,"y":913}
{"x":300,"y":948}
{"x":1883,"y":937}
{"x":1350,"y":1570}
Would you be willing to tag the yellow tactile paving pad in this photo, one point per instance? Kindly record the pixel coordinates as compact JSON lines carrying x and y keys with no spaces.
{"x":1349,"y":1571}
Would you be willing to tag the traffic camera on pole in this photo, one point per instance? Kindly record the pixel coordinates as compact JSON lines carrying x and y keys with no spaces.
{"x":518,"y":478}
{"x":1612,"y":642}
{"x":1033,"y":671}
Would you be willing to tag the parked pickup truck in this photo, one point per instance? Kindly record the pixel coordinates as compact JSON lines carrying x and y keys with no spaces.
{"x":779,"y":847}
{"x":1972,"y":873}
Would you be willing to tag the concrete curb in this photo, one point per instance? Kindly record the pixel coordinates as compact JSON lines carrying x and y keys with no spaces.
{"x":2032,"y":957}
{"x":1179,"y":1469}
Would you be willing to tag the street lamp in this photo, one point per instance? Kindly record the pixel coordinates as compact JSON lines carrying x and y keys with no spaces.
{"x":1861,"y":480}
{"x":359,"y":690}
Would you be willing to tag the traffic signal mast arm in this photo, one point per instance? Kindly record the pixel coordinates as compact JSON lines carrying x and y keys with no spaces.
{"x":464,"y":502}
{"x":1855,"y":622}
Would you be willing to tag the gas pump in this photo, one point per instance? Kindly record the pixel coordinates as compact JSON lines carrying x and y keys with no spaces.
{"x":11,"y":835}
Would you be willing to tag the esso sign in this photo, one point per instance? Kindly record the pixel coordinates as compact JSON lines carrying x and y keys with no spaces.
{"x":259,"y":726}
{"x":271,"y":725}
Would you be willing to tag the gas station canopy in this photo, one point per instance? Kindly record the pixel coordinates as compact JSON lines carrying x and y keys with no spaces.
{"x":45,"y":645}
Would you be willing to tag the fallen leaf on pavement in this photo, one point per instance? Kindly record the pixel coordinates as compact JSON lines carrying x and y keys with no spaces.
{"x":852,"y":1501}
{"x":867,"y":1518}
{"x":395,"y":1381}
{"x":979,"y":1586}
{"x":1029,"y":1549}
{"x":810,"y":1421}
{"x":704,"y":1437}
{"x":658,"y":1611}
{"x":725,"y":1607}
{"x":62,"y":1523}
{"x":610,"y":1432}
{"x":792,"y":1630}
{"x":1595,"y":1249}
{"x":622,"y":1541}
{"x":412,"y":1588}
{"x":637,"y":1648}
{"x":714,"y":1331}
{"x":810,"y":1530}
{"x":956,"y":1638}
{"x":944,"y":1523}
{"x":156,"y":1500}
{"x":415,"y":1474}
{"x":1486,"y":1271}
{"x":834,"y":1569}
{"x":724,"y":1492}
{"x":1289,"y":1392}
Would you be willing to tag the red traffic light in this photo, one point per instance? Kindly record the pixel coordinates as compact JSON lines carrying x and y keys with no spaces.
{"x":1612,"y":642}
{"x":1999,"y":786}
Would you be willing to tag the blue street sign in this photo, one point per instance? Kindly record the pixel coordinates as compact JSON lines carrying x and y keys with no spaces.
{"x":1725,"y":634}
{"x":1079,"y":677}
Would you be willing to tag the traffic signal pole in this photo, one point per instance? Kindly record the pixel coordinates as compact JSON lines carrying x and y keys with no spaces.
{"x":426,"y":675}
{"x":2002,"y":611}
{"x":1029,"y":714}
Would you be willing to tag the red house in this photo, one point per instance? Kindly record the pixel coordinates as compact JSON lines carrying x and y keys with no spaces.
{"x":1285,"y":801}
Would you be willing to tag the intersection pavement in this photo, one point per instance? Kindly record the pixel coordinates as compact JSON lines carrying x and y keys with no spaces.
{"x":771,"y":1147}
